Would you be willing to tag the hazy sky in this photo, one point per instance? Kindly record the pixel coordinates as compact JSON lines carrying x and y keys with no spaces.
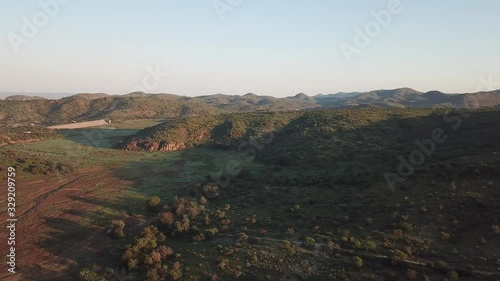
{"x":268,"y":47}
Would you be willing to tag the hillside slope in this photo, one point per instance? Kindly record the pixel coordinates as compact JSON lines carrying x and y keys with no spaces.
{"x":417,"y":186}
{"x":366,"y":141}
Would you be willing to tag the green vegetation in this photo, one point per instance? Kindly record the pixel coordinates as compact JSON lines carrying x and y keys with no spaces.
{"x":87,"y":274}
{"x":134,"y":106}
{"x":24,"y":133}
{"x":31,"y":165}
{"x":117,"y":227}
{"x":304,"y":196}
{"x":358,"y":262}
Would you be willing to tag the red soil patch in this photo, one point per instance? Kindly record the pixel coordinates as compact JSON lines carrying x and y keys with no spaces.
{"x":50,"y":237}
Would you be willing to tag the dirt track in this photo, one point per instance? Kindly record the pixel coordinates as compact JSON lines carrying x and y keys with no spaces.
{"x":79,"y":125}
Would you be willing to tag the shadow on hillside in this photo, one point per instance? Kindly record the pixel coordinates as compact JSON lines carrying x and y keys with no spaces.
{"x":352,"y":160}
{"x":96,"y":137}
{"x":336,"y":171}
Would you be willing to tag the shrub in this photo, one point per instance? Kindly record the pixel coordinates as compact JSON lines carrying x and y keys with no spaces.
{"x":398,"y":254}
{"x":175,"y":273}
{"x":370,"y":245}
{"x":211,"y":190}
{"x":223,"y":264}
{"x":452,"y":276}
{"x":287,"y":244}
{"x":88,"y":274}
{"x":182,"y":226}
{"x":207,"y":220}
{"x":152,"y":233}
{"x":309,"y":240}
{"x":117,"y":227}
{"x":132,"y":264}
{"x":211,"y":232}
{"x":332,"y":246}
{"x":153,"y":275}
{"x":358,"y":262}
{"x":199,"y":237}
{"x":219,"y":214}
{"x":406,"y":227}
{"x":153,"y":260}
{"x":445,"y":236}
{"x":153,"y":204}
{"x":440,"y":265}
{"x":411,"y":274}
{"x":166,"y":218}
{"x":356,"y":243}
{"x":192,"y":210}
{"x":165,"y":251}
{"x":242,"y":237}
{"x":203,"y":200}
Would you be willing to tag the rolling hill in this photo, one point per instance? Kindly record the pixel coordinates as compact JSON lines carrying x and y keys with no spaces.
{"x":138,"y":105}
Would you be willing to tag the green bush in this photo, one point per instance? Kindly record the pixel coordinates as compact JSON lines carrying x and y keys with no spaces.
{"x":309,"y":241}
{"x":88,"y":274}
{"x":358,"y":262}
{"x":370,"y":245}
{"x":211,"y":232}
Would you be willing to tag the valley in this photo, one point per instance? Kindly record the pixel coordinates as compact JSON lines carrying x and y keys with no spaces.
{"x":299,"y":195}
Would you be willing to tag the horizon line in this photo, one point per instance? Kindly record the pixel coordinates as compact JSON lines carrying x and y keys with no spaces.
{"x":70,"y":94}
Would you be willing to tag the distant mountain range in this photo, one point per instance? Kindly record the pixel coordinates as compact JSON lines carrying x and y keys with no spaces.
{"x":139,"y":105}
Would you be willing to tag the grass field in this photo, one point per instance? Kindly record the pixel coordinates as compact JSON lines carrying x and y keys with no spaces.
{"x":131,"y":124}
{"x":108,"y":184}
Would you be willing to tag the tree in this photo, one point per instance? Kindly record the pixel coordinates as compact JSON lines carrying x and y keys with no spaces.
{"x":165,"y":251}
{"x":117,"y":227}
{"x":153,"y":204}
{"x":175,"y":273}
{"x":203,"y":200}
{"x":166,"y":218}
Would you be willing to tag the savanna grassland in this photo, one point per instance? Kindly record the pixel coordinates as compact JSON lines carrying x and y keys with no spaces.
{"x":350,"y":194}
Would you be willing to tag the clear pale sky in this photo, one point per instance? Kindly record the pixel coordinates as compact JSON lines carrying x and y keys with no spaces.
{"x":268,"y":47}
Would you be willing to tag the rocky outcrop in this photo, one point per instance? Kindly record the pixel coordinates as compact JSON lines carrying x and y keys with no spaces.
{"x":154,"y":146}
